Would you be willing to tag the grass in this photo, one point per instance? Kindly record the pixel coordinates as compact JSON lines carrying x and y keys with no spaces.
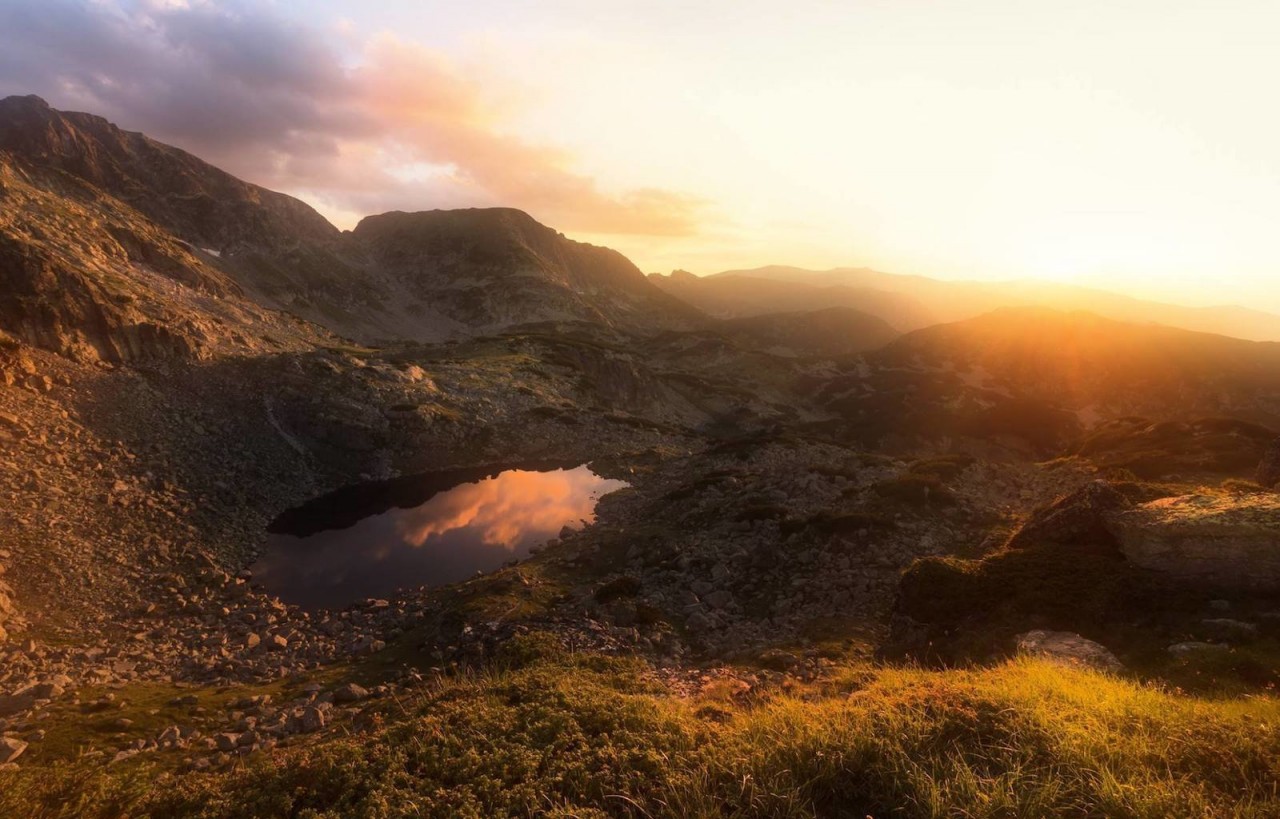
{"x":587,"y":736}
{"x":1203,"y":448}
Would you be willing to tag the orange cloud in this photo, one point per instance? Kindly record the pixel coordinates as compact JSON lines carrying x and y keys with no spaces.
{"x":431,"y":112}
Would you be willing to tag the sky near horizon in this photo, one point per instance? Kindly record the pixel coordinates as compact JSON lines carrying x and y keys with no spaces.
{"x":1132,"y":144}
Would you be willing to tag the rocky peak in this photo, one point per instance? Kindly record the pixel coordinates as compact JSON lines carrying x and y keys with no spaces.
{"x":198,"y":202}
{"x":502,"y":241}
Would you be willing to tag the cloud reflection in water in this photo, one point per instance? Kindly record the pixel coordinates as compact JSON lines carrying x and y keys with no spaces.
{"x":471,"y":527}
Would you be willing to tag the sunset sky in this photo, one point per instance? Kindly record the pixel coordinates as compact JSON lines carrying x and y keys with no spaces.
{"x":1129,"y":144}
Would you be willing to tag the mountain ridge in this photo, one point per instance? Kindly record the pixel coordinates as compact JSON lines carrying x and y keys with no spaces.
{"x":279,"y":254}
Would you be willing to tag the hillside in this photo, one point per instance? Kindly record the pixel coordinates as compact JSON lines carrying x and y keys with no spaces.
{"x":459,"y":275}
{"x":87,"y":275}
{"x":1045,"y":377}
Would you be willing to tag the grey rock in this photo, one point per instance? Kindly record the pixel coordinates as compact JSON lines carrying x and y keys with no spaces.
{"x":1226,"y":629}
{"x":1068,"y":648}
{"x":1190,"y":647}
{"x":350,"y":693}
{"x":1232,"y":542}
{"x":311,"y":720}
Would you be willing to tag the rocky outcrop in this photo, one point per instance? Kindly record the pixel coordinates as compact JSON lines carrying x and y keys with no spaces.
{"x":1067,"y":648}
{"x":1077,"y":519}
{"x":1232,"y":542}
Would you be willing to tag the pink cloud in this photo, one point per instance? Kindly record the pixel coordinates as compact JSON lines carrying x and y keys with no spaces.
{"x":289,"y":107}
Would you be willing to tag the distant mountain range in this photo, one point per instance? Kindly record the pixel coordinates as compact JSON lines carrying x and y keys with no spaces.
{"x":911,"y":302}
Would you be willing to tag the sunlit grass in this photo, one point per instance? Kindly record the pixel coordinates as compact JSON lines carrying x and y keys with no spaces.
{"x":586,"y":735}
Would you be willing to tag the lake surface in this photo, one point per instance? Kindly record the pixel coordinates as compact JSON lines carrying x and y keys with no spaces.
{"x":373,"y":539}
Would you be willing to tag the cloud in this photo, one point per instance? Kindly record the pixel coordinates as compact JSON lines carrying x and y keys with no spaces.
{"x":358,"y":126}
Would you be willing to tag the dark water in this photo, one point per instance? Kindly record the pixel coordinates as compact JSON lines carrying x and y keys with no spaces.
{"x":372,"y":539}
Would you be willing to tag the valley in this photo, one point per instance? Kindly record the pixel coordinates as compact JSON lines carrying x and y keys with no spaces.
{"x":857,"y":560}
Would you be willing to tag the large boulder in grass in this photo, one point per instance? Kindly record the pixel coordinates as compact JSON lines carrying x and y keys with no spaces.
{"x":1227,"y":542}
{"x":1067,"y":648}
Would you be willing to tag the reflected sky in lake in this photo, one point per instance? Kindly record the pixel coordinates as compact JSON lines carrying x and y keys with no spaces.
{"x":474,"y":526}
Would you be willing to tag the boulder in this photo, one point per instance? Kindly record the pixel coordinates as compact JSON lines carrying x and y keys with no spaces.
{"x":778,"y":660}
{"x":349,"y":693}
{"x":311,"y":720}
{"x":1227,"y":630}
{"x":10,"y":749}
{"x":16,"y":703}
{"x":45,"y":690}
{"x":1193,"y":647}
{"x":1076,"y":519}
{"x":1226,"y":542}
{"x":1068,"y":648}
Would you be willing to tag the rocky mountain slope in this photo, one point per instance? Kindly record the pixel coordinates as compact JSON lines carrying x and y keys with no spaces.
{"x":833,"y":332}
{"x":85,"y":274}
{"x":400,"y":276}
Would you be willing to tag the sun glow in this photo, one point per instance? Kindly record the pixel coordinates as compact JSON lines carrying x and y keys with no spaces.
{"x":1124,"y":144}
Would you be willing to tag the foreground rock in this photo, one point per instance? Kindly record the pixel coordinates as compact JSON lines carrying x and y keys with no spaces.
{"x":1228,"y":542}
{"x":11,"y":749}
{"x":1068,"y":648}
{"x":1077,"y":518}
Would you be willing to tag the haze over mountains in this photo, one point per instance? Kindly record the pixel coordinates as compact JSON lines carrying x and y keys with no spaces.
{"x":912,"y":302}
{"x":138,"y":207}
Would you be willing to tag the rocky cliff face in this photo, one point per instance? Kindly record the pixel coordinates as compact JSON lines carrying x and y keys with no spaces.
{"x":1210,"y":539}
{"x":87,"y":275}
{"x":196,"y":201}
